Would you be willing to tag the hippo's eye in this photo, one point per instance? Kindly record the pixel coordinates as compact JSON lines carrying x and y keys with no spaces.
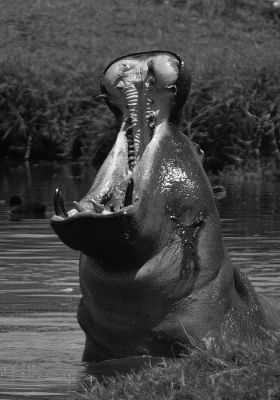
{"x":150,"y":67}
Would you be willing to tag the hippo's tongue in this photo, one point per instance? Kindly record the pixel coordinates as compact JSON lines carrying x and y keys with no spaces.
{"x":140,"y":90}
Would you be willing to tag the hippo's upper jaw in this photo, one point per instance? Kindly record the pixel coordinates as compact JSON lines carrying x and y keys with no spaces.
{"x":146,"y":92}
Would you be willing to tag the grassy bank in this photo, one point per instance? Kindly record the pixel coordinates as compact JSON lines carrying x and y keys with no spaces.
{"x":54,"y":51}
{"x":232,"y":371}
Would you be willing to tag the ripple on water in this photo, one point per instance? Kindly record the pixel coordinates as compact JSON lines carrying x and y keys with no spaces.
{"x":49,"y":366}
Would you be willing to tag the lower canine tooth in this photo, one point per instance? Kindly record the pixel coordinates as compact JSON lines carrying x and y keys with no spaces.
{"x":59,"y":204}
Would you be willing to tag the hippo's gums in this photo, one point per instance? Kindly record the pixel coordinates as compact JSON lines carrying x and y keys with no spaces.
{"x":153,"y":264}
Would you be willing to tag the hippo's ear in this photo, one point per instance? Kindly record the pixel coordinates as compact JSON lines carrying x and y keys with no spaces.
{"x":219,"y":192}
{"x":183,"y":86}
{"x":200,"y":152}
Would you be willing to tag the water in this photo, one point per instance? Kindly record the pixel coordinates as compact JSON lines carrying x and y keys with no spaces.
{"x":251,"y":225}
{"x":41,"y":342}
{"x":39,"y":290}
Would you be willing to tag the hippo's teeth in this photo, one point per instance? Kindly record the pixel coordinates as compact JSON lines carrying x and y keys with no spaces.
{"x":104,"y":212}
{"x":59,"y":204}
{"x":72,"y":212}
{"x":78,"y":206}
{"x":97,"y":206}
{"x":129,"y":193}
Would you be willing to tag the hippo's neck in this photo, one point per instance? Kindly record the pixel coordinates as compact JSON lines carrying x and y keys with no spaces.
{"x":146,"y":297}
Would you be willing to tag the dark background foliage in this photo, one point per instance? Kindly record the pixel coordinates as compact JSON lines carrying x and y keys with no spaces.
{"x":53,"y":53}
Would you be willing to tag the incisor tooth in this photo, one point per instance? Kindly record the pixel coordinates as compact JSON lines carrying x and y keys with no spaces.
{"x":97,"y":206}
{"x":72,"y":212}
{"x":106,"y":212}
{"x":78,"y":206}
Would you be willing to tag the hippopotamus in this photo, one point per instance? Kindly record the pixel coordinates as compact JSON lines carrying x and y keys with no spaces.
{"x":154,"y":270}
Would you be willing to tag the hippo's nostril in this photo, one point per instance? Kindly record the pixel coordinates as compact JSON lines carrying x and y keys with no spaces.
{"x":59,"y":204}
{"x":171,"y":88}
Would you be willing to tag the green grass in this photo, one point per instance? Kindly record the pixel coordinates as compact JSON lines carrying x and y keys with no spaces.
{"x":230,"y":371}
{"x":53,"y":53}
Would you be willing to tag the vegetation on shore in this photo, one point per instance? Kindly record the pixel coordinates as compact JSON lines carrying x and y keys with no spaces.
{"x":229,"y":371}
{"x":54,"y":51}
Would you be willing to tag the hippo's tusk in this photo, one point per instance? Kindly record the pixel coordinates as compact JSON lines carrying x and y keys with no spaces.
{"x":59,"y":204}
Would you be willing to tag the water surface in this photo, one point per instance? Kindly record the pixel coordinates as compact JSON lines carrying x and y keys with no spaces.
{"x":41,"y":342}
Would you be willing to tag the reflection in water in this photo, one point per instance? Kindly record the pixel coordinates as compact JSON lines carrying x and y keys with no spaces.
{"x":251,"y":226}
{"x":41,"y":342}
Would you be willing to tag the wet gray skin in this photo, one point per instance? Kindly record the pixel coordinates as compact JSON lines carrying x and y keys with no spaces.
{"x":153,"y":267}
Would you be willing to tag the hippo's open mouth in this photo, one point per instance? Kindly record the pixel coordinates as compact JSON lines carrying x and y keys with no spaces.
{"x":146,"y":92}
{"x":141,"y":90}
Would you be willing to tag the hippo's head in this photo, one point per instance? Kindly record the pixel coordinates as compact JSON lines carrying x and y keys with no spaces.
{"x":151,"y":198}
